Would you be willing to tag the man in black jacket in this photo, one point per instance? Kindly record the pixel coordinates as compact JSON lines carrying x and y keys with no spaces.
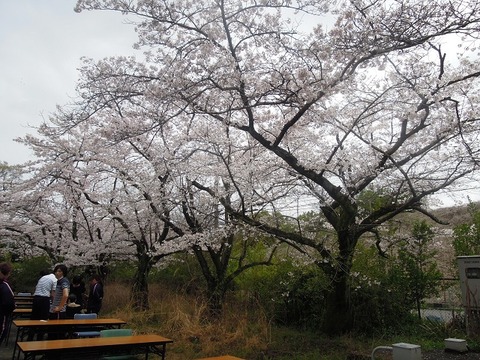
{"x":95,"y":296}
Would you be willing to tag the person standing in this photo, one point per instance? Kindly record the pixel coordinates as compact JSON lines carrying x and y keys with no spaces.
{"x":7,"y":300}
{"x":58,"y":308}
{"x":72,"y":306}
{"x":78,"y":288}
{"x":42,"y":297}
{"x":59,"y":303}
{"x":95,"y":296}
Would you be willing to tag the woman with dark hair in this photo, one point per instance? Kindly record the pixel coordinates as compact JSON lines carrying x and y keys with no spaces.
{"x":7,"y":300}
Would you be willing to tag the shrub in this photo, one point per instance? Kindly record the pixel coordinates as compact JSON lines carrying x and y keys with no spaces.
{"x":26,"y":273}
{"x":378,"y":293}
{"x":291,"y":294}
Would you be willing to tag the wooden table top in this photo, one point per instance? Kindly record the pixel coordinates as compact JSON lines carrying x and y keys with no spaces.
{"x":68,"y":322}
{"x":53,"y":345}
{"x":22,"y":310}
{"x":224,"y":357}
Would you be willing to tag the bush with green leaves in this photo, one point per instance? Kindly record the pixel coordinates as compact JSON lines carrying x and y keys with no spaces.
{"x":292,"y":292}
{"x":416,"y":260}
{"x":27,"y":272}
{"x":303,"y":299}
{"x":386,"y":290}
{"x":378,"y":293}
{"x":466,"y":236}
{"x":121,"y":271}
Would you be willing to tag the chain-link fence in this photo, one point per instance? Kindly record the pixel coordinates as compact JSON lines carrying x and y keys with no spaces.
{"x":447,"y":305}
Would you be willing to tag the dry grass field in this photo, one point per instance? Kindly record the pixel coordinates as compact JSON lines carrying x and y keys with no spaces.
{"x":182,"y":318}
{"x":244,"y":331}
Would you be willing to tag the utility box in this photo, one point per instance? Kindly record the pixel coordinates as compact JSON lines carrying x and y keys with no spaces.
{"x":469,"y":271}
{"x":458,"y":345}
{"x":404,"y":351}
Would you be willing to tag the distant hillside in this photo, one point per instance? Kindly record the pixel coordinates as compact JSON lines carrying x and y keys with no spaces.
{"x":443,"y":241}
{"x":454,"y":215}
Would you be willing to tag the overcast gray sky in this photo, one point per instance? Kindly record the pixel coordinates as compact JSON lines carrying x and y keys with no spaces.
{"x":41,"y":43}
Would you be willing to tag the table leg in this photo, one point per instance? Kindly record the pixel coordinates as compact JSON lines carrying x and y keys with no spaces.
{"x":9,"y":327}
{"x":20,"y":331}
{"x":155,"y":350}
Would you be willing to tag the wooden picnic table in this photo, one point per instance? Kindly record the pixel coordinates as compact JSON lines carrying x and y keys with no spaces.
{"x":23,"y":304}
{"x":87,"y":348}
{"x":22,"y":311}
{"x":17,"y":313}
{"x":67,"y":326}
{"x":224,"y":357}
{"x":23,"y":299}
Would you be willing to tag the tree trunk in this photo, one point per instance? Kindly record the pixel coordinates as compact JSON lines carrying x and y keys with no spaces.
{"x":216,"y":296}
{"x":418,"y":303}
{"x":215,"y":276}
{"x":338,"y":315}
{"x":139,"y":294}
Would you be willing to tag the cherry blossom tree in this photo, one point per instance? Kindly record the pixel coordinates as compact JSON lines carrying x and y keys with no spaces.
{"x":117,"y":193}
{"x":11,"y":238}
{"x":375,"y":99}
{"x":128,"y":183}
{"x":48,"y":218}
{"x":220,"y":243}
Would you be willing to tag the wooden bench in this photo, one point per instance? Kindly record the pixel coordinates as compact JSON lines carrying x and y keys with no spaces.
{"x":88,"y":348}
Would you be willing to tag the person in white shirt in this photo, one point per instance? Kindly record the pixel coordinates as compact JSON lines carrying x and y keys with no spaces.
{"x":42,"y":298}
